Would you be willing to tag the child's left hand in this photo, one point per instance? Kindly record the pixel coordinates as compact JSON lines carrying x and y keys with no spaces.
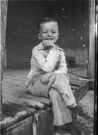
{"x":45,"y":77}
{"x":28,"y":82}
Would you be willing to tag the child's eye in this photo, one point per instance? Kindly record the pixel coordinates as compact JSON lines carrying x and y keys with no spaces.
{"x":44,"y":31}
{"x":53,"y":32}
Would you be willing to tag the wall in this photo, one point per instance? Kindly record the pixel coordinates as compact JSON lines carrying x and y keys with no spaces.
{"x":23,"y":17}
{"x":73,"y":19}
{"x":3,"y":17}
{"x":21,"y":33}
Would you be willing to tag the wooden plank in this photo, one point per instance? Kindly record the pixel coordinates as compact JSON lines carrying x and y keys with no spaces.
{"x":43,"y":122}
{"x":7,"y":121}
{"x":78,"y":71}
{"x":15,"y":78}
{"x":14,"y":82}
{"x":76,"y":82}
{"x":81,"y":92}
{"x":91,"y":55}
{"x":22,"y":101}
{"x":4,"y":6}
{"x":0,"y":69}
{"x":13,"y":115}
{"x":14,"y":112}
{"x":3,"y":16}
{"x":16,"y":73}
{"x":18,"y":96}
{"x":23,"y":127}
{"x":74,"y":87}
{"x":29,"y":110}
{"x":82,"y":73}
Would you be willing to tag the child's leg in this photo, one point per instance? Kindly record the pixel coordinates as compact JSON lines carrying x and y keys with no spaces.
{"x":62,"y":116}
{"x":65,"y":98}
{"x":63,"y":86}
{"x":61,"y":113}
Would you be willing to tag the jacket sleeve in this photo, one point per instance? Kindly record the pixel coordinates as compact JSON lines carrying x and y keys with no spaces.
{"x":30,"y":74}
{"x":48,"y":63}
{"x":62,"y":68}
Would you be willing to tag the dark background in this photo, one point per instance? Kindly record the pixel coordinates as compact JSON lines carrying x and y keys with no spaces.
{"x":21,"y":33}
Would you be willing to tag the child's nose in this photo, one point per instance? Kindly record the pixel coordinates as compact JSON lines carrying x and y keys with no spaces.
{"x":49,"y":33}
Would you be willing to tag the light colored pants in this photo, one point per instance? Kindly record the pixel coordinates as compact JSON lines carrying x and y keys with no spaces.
{"x":61,"y":113}
{"x":57,"y":87}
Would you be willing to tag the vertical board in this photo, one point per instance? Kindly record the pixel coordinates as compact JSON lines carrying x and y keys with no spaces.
{"x":43,"y":122}
{"x":3,"y":16}
{"x":0,"y":68}
{"x":91,"y":62}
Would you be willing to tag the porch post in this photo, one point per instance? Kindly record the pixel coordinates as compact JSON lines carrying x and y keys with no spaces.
{"x":91,"y":52}
{"x":3,"y":18}
{"x":0,"y":65}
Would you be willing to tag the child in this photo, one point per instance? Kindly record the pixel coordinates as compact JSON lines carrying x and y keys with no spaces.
{"x":48,"y":75}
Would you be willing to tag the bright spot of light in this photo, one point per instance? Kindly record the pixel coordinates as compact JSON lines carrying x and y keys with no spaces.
{"x":62,"y":8}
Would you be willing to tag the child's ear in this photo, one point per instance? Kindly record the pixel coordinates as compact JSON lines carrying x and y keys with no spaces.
{"x":58,"y":35}
{"x":39,"y":37}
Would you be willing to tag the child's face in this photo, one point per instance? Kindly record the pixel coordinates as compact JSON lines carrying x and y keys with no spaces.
{"x":49,"y":31}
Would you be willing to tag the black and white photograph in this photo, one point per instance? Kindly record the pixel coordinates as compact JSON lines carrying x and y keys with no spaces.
{"x":48,"y":67}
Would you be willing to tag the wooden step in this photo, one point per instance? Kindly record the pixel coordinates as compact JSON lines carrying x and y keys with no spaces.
{"x":23,"y":112}
{"x":36,"y":122}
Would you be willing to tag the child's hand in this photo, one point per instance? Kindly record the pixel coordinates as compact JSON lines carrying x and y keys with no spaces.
{"x":45,"y":77}
{"x":48,"y":43}
{"x":28,"y":82}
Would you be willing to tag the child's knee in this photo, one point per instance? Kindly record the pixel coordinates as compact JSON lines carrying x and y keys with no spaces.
{"x":62,"y":77}
{"x":53,"y":93}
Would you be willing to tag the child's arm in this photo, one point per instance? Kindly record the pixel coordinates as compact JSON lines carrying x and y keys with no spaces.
{"x":62,"y":67}
{"x":48,"y":63}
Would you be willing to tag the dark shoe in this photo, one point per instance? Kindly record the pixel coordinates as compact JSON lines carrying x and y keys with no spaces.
{"x":83,"y":114}
{"x":61,"y":134}
{"x":70,"y":127}
{"x":79,"y":111}
{"x":60,"y":130}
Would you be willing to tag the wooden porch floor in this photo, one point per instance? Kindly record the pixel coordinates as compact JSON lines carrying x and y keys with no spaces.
{"x":19,"y":106}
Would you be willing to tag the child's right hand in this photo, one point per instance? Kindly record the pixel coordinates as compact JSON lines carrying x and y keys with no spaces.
{"x":48,"y":43}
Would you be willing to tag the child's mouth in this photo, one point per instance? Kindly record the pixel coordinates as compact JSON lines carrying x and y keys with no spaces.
{"x":51,"y":39}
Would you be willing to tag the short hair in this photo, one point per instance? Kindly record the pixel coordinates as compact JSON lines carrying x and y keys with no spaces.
{"x":46,"y":20}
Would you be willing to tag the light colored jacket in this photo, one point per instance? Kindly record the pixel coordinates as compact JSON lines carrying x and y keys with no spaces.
{"x":44,"y":61}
